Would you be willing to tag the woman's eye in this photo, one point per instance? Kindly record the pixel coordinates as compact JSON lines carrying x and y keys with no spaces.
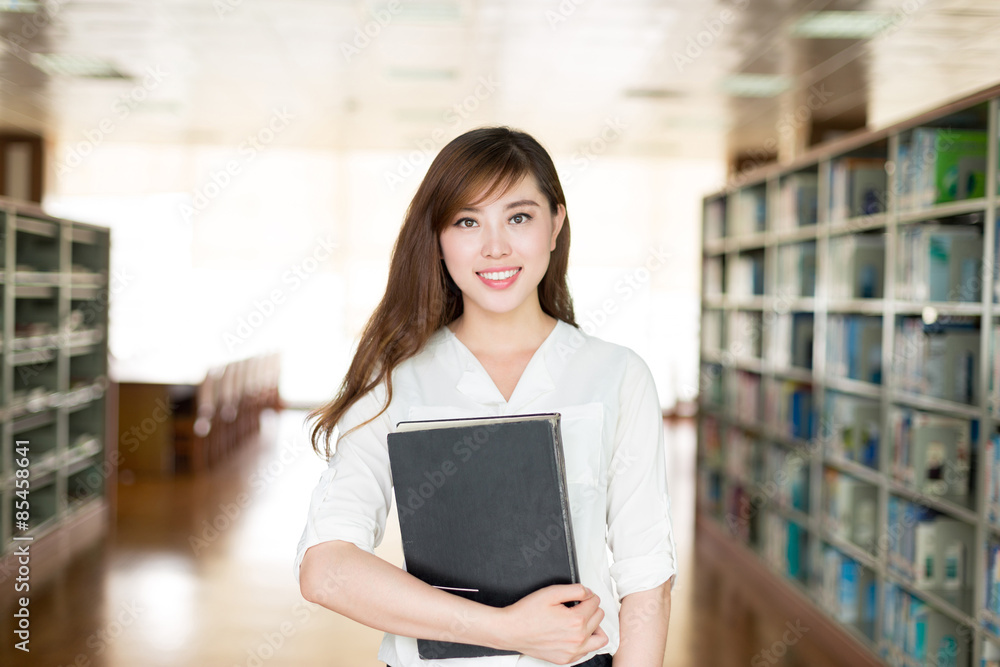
{"x":520,"y":218}
{"x":466,"y":223}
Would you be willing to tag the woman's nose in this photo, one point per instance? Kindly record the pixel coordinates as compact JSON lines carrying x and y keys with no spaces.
{"x":495,"y":242}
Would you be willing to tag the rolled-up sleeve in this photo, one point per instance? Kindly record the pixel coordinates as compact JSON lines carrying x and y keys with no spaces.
{"x":353,"y":496}
{"x":640,"y":535}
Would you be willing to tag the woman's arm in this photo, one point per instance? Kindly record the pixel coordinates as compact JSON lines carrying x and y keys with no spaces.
{"x":361,"y":586}
{"x":644,"y":618}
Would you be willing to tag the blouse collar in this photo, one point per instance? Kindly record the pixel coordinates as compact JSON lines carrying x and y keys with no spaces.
{"x":535,"y":381}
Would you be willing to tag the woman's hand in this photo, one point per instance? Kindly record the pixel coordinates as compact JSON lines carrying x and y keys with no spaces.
{"x":541,"y":626}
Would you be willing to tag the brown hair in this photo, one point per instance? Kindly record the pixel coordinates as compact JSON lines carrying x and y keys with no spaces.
{"x":421,"y":296}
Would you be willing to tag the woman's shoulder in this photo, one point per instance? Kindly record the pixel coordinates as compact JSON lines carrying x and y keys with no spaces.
{"x":587,"y":345}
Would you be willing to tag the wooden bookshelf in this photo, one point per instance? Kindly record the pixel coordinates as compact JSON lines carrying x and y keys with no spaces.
{"x":856,"y":284}
{"x":57,"y":407}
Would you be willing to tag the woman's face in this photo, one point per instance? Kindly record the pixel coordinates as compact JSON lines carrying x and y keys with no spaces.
{"x":498,"y":251}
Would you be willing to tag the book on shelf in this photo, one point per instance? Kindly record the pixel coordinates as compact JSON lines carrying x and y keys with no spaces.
{"x":798,"y":203}
{"x":854,"y":428}
{"x":991,"y":584}
{"x":939,"y":165}
{"x":750,"y":214}
{"x":748,"y":397}
{"x":915,"y":634}
{"x":848,"y":588}
{"x":857,"y":187}
{"x":792,"y":405}
{"x":995,"y":372}
{"x":470,"y":519}
{"x":855,"y":347}
{"x":939,"y":263}
{"x":747,"y":334}
{"x":939,"y":359}
{"x":714,"y":272}
{"x":786,"y":546}
{"x":797,"y":270}
{"x":712,"y":330}
{"x":850,"y":508}
{"x":715,"y":219}
{"x":791,"y":474}
{"x":746,"y":274}
{"x":933,"y":453}
{"x":794,"y":340}
{"x":990,"y":655}
{"x":859,"y":261}
{"x":991,"y":484}
{"x":941,"y":552}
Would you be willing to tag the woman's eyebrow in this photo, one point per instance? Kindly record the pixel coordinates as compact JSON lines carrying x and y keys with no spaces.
{"x":513,"y":204}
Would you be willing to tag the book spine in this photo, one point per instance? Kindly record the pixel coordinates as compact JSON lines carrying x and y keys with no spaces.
{"x":559,"y":460}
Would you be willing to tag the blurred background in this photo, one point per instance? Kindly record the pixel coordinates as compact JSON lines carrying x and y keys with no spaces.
{"x":253,"y":160}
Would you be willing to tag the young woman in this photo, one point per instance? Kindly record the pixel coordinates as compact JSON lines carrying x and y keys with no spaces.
{"x":477,"y":320}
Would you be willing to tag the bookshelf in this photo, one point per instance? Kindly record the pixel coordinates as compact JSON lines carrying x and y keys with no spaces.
{"x":55,"y":393}
{"x":849,"y":411}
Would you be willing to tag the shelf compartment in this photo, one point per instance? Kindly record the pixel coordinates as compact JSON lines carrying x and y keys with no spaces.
{"x":854,"y":426}
{"x":798,"y":201}
{"x":848,"y":588}
{"x":850,"y":509}
{"x":938,"y":359}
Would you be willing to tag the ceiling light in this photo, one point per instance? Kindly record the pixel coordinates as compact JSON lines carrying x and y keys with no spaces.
{"x":65,"y":64}
{"x":422,"y":74}
{"x":25,"y":6}
{"x":755,"y":85}
{"x":840,"y":25}
{"x":652,"y":93}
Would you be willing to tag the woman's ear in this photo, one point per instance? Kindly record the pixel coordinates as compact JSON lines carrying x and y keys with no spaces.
{"x":557,"y":223}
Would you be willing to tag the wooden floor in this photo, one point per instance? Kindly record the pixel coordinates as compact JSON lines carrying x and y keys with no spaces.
{"x":198,"y":573}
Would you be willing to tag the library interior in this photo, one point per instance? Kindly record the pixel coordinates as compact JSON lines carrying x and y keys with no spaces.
{"x":198,"y":202}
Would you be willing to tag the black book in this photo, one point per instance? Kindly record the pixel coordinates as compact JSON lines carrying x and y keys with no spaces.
{"x":483,"y":511}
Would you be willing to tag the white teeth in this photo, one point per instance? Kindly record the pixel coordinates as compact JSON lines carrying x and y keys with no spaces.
{"x":499,"y":275}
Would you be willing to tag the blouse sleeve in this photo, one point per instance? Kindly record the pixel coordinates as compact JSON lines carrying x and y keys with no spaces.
{"x":638,"y":512}
{"x":354,"y":494}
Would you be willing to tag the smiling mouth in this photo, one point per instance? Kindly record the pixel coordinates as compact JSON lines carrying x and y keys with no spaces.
{"x":498,"y":275}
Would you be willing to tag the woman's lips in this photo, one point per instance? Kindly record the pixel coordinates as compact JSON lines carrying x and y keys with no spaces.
{"x":499,"y":278}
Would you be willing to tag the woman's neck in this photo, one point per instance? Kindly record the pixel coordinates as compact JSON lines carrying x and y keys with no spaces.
{"x":503,"y":333}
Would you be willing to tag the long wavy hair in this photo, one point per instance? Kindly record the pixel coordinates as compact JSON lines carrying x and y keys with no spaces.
{"x":421,"y":296}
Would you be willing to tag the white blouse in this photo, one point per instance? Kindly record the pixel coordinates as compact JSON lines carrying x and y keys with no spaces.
{"x":612,"y":432}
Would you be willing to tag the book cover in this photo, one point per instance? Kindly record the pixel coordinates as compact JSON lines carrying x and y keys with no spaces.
{"x":483,"y":511}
